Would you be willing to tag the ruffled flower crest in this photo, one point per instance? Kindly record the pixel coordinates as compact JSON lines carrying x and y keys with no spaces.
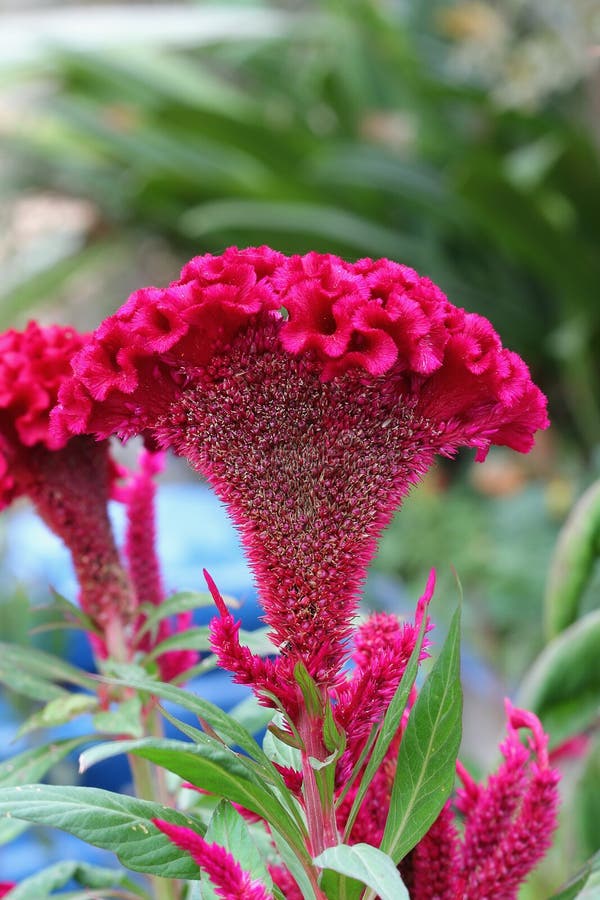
{"x":68,"y":479}
{"x":312,"y":393}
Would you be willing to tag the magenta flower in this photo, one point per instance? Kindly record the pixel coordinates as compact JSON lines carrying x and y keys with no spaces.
{"x":508,"y":825}
{"x":138,"y":493}
{"x":68,"y":480}
{"x":6,"y":887}
{"x":230,"y":881}
{"x":312,"y":393}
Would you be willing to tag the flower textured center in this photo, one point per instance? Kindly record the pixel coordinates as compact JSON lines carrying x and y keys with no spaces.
{"x":311,"y":473}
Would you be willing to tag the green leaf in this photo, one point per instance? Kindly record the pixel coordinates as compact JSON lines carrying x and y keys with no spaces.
{"x":183,"y":601}
{"x":251,"y":715}
{"x":228,"y":829}
{"x":111,"y":821}
{"x":367,"y":864}
{"x":426,"y":762}
{"x":190,"y":639}
{"x":58,"y":711}
{"x":40,"y":886}
{"x":15,"y":664}
{"x":223,"y":724}
{"x":215,"y":768}
{"x":31,"y":765}
{"x":122,"y":718}
{"x":68,"y":614}
{"x":572,"y":565}
{"x":563,"y":685}
{"x":29,"y":685}
{"x":587,"y":803}
{"x":281,"y":752}
{"x":390,"y":725}
{"x":310,"y":692}
{"x":328,"y":222}
{"x":584,"y":885}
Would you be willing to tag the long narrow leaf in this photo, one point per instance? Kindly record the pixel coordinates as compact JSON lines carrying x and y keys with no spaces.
{"x":426,"y":762}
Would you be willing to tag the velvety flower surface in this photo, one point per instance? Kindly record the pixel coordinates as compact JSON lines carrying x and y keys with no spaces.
{"x":312,"y":393}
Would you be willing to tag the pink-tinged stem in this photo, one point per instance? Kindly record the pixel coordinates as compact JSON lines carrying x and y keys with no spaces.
{"x":320,"y":812}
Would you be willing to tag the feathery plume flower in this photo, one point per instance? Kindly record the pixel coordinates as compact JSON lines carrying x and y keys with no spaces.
{"x":68,"y":479}
{"x":508,"y":825}
{"x":312,"y":393}
{"x":230,"y":881}
{"x":138,"y":494}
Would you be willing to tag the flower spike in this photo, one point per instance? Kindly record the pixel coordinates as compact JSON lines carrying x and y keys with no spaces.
{"x":230,"y":881}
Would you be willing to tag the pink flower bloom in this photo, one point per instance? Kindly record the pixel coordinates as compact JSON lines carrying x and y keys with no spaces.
{"x":230,"y":881}
{"x":6,"y":887}
{"x":68,"y":480}
{"x":138,"y":493}
{"x":382,"y":648}
{"x":312,"y":393}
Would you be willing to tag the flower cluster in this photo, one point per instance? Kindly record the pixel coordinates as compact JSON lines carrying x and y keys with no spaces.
{"x":312,"y":393}
{"x":70,"y":480}
{"x":508,"y":825}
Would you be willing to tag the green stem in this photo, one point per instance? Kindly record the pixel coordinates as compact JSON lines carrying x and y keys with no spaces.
{"x":146,"y":789}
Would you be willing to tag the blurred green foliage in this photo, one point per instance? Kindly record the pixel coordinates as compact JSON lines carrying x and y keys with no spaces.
{"x":347,"y":129}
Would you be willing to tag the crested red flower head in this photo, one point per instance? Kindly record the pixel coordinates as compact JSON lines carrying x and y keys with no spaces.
{"x":312,"y":393}
{"x":68,"y":479}
{"x":33,"y":365}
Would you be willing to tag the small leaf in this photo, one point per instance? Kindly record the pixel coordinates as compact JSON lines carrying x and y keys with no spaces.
{"x":41,"y":885}
{"x":58,"y":711}
{"x":41,"y":666}
{"x":189,"y":639}
{"x":31,"y":765}
{"x":223,"y":724}
{"x":228,"y":829}
{"x":183,"y":601}
{"x":367,"y":864}
{"x":122,"y":718}
{"x":310,"y":692}
{"x":426,"y":762}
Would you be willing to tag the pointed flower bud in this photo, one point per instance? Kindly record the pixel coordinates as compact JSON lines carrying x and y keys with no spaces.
{"x":230,"y":881}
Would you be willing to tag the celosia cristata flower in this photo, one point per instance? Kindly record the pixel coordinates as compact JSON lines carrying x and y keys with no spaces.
{"x":312,"y":393}
{"x":68,"y":479}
